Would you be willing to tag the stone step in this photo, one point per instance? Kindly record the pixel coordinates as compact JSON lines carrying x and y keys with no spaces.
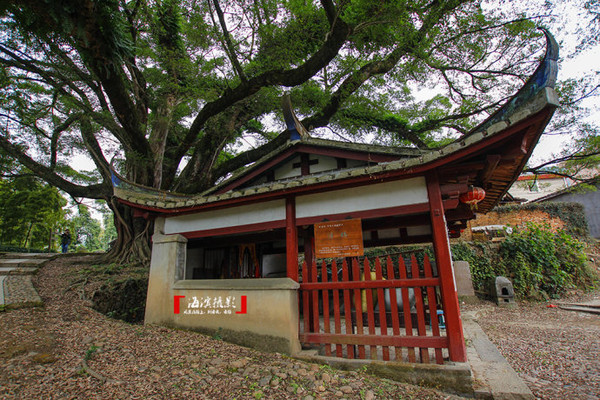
{"x":44,"y":256}
{"x":20,"y":266}
{"x":18,"y":291}
{"x":493,"y":377}
{"x":18,"y":271}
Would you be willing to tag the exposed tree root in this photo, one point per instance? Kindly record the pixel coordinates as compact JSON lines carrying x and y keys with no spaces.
{"x":97,"y":375}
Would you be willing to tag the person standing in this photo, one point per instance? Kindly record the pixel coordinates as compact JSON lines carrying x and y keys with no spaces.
{"x":65,"y":240}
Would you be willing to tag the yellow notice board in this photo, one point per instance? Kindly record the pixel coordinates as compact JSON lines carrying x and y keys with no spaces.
{"x":339,"y":238}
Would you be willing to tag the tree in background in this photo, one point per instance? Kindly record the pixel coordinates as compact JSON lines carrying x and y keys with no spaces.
{"x":178,"y":94}
{"x":30,"y":213}
{"x":86,"y":231}
{"x":109,"y":233}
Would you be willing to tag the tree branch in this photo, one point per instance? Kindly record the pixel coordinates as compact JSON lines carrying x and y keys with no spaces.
{"x":228,"y":43}
{"x":292,"y":77}
{"x":98,"y":191}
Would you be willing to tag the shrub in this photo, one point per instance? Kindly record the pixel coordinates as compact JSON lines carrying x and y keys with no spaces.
{"x":481,"y":257}
{"x":539,"y":262}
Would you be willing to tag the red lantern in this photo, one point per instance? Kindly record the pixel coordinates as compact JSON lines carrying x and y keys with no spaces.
{"x":473,"y":196}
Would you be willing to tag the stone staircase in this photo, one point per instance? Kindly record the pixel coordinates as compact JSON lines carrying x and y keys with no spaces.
{"x":16,"y":270}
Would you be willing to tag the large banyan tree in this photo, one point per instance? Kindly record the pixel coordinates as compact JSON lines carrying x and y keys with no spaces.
{"x":178,"y":94}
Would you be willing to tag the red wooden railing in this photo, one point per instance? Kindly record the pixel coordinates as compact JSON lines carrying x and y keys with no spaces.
{"x":333,"y":318}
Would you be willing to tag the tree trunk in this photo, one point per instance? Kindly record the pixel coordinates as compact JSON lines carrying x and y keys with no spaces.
{"x":132,"y":245}
{"x":50,"y":239}
{"x":28,"y":233}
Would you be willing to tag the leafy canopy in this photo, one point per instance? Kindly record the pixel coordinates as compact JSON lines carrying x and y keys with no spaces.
{"x":172,"y":91}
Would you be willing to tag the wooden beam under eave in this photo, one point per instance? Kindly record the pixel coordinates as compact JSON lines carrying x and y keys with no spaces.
{"x":450,"y":173}
{"x":398,"y":241}
{"x":454,"y":189}
{"x":491,"y":162}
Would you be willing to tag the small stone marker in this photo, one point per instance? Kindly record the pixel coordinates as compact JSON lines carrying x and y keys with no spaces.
{"x":505,"y":294}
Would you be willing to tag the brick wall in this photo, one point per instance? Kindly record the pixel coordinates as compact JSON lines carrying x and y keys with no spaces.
{"x":515,"y":218}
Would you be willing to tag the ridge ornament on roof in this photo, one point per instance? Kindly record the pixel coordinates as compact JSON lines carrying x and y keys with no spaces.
{"x":294,"y":126}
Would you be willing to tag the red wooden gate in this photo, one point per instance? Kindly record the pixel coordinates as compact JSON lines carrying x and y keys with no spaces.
{"x":360,"y":312}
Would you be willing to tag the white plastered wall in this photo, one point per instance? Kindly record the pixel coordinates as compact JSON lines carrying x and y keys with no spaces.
{"x":363,"y":198}
{"x":236,"y":216}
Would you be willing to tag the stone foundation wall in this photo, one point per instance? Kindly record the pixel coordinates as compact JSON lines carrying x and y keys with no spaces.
{"x":260,"y":313}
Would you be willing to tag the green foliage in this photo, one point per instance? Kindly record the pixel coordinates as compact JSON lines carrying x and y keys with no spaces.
{"x":481,"y":259}
{"x":109,"y":232}
{"x":89,"y":354}
{"x":30,"y":212}
{"x":531,"y":258}
{"x":539,"y":262}
{"x":86,"y":231}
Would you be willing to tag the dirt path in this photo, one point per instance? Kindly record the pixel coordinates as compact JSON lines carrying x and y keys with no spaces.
{"x":556,"y":352}
{"x":66,"y":350}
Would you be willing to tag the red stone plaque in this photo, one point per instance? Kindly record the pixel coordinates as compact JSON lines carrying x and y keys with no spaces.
{"x":339,"y":238}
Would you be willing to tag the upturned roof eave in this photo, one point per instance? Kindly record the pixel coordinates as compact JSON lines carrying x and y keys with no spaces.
{"x":164,"y":203}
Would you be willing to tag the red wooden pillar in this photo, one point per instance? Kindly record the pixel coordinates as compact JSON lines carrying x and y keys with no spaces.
{"x":309,"y":247}
{"x":291,"y":238}
{"x":441,"y":246}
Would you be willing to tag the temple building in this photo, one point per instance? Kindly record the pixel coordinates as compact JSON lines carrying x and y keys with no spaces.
{"x":273,"y":257}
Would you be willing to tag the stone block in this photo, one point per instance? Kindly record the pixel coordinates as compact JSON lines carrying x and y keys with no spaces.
{"x":462,"y":274}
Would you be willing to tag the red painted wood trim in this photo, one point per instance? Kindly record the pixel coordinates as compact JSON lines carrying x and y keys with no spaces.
{"x":347,"y":308}
{"x":370,"y":307}
{"x":432,"y":302}
{"x":309,"y":245}
{"x":336,"y":308}
{"x":292,"y":151}
{"x":231,"y":230}
{"x":540,"y":176}
{"x":315,"y":327}
{"x":291,"y":239}
{"x":396,"y":283}
{"x":358,"y":307}
{"x":362,"y":340}
{"x":252,"y":174}
{"x":394,"y":308}
{"x":397,"y":241}
{"x":424,"y":353}
{"x":382,"y":212}
{"x":381,"y":302}
{"x":406,"y":308}
{"x":304,"y":164}
{"x":305,"y":300}
{"x":441,"y":246}
{"x":326,"y":323}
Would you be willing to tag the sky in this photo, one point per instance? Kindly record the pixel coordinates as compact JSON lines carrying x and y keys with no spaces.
{"x":587,"y":62}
